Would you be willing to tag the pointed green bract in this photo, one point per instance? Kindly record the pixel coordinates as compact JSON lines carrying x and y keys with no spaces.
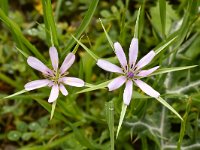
{"x":22,"y":52}
{"x":107,"y":36}
{"x":87,"y":49}
{"x":167,"y":70}
{"x":162,"y":101}
{"x":53,"y":108}
{"x":94,"y":87}
{"x":136,"y":32}
{"x":166,"y":44}
{"x":123,"y":112}
{"x":15,"y":94}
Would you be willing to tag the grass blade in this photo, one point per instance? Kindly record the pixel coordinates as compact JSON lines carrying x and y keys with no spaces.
{"x":83,"y":26}
{"x":94,"y":87}
{"x":51,"y":32}
{"x":162,"y":8}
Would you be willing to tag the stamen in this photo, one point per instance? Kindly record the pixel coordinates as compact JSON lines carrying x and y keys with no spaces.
{"x":130,"y":74}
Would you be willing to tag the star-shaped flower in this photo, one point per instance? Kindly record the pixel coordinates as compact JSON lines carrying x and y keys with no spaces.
{"x":55,"y":78}
{"x":130,"y":72}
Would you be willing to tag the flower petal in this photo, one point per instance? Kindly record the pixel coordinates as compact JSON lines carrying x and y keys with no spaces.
{"x":145,"y":60}
{"x":106,"y":65}
{"x":116,"y":83}
{"x":133,"y":51}
{"x":147,"y":89}
{"x":54,"y":57}
{"x":145,"y":73}
{"x":63,"y":90}
{"x":73,"y":81}
{"x":67,"y":63}
{"x":120,"y":54}
{"x":36,"y":84}
{"x":128,"y":92}
{"x":54,"y":93}
{"x":38,"y":65}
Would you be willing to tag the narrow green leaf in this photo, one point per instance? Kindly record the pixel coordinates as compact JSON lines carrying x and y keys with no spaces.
{"x":136,"y":32}
{"x":4,"y":6}
{"x":53,"y":109}
{"x":82,"y":27}
{"x":183,"y":124}
{"x":15,"y":94}
{"x":167,"y":70}
{"x":95,"y":57}
{"x":162,"y":8}
{"x":162,"y":101}
{"x":110,"y":120}
{"x":51,"y":31}
{"x":123,"y":112}
{"x":107,"y":36}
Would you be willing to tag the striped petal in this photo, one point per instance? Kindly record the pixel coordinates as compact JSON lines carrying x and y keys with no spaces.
{"x":145,"y":73}
{"x":54,"y":57}
{"x":106,"y":65}
{"x":133,"y":51}
{"x":63,"y":90}
{"x":147,"y":89}
{"x":38,"y":65}
{"x":127,"y":95}
{"x":54,"y":93}
{"x":116,"y":83}
{"x":145,"y":60}
{"x":36,"y":84}
{"x":120,"y":54}
{"x":73,"y":81}
{"x":67,"y":63}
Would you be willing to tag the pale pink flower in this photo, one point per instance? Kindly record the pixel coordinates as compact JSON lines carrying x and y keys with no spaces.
{"x":55,"y":78}
{"x":130,"y":72}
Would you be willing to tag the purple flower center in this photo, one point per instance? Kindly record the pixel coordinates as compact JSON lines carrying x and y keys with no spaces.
{"x":130,"y":74}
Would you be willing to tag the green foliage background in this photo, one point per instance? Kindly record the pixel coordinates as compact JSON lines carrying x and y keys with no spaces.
{"x":88,"y":120}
